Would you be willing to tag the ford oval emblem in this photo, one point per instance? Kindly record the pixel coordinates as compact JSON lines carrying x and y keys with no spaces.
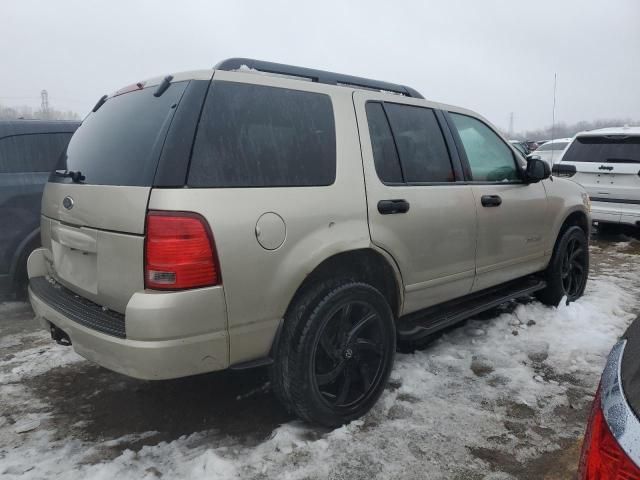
{"x":67,"y":203}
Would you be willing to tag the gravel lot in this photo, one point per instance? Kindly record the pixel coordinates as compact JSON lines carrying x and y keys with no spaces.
{"x":502,"y":396}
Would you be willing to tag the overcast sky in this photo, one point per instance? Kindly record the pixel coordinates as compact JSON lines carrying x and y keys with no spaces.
{"x":491,"y":56}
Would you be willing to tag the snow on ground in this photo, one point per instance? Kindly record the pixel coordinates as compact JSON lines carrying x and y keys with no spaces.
{"x":481,"y":402}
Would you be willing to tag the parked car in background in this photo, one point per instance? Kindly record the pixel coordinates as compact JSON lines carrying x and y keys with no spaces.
{"x":225,"y":218}
{"x":531,"y":145}
{"x":607,"y":163}
{"x":552,"y":151}
{"x":611,"y":448}
{"x":29,"y":150}
{"x":521,"y":147}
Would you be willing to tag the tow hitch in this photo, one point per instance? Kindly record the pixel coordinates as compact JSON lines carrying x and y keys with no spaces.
{"x":60,"y":337}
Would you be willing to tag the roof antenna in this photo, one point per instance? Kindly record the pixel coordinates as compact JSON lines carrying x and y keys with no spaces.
{"x":553,"y":114}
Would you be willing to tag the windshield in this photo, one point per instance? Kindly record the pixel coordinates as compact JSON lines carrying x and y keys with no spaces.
{"x":622,"y":149}
{"x":120,"y":143}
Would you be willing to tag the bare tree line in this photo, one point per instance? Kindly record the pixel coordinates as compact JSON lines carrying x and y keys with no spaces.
{"x":562,"y":129}
{"x":28,"y":113}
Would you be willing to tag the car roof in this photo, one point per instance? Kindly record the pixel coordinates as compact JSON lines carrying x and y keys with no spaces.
{"x":331,"y":82}
{"x":625,"y":130}
{"x":25,"y":127}
{"x":558,"y":140}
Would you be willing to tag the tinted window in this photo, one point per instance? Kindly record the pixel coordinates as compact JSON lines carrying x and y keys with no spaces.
{"x":552,"y":146}
{"x":120,"y":143}
{"x":32,"y":153}
{"x":490,"y":159}
{"x":256,"y":136}
{"x":385,"y":155}
{"x":604,"y":149}
{"x":423,"y":151}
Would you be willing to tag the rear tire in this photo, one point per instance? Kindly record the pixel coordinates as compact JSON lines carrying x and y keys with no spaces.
{"x":336,"y":352}
{"x":568,"y":270}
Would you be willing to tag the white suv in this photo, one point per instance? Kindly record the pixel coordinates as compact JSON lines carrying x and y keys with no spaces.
{"x":607,"y":163}
{"x":552,"y":151}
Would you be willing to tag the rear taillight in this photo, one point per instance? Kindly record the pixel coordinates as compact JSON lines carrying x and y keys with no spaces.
{"x":179,"y":252}
{"x":602,"y":457}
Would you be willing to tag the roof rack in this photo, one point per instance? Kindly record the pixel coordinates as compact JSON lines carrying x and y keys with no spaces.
{"x":319,"y":76}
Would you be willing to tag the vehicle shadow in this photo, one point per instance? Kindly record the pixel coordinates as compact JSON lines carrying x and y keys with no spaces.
{"x":95,"y":404}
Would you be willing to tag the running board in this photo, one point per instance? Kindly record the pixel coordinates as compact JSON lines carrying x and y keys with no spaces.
{"x":430,"y":320}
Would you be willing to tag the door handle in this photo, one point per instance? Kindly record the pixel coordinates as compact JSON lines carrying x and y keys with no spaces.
{"x":390,"y":207}
{"x":491,"y":200}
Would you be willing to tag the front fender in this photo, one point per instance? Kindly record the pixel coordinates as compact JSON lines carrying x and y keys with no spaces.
{"x":564,"y":198}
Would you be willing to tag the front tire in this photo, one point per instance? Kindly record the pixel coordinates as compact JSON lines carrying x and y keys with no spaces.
{"x":336,"y":352}
{"x":568,"y":270}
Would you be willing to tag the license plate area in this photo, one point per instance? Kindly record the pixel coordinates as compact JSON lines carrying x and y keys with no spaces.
{"x":76,"y":267}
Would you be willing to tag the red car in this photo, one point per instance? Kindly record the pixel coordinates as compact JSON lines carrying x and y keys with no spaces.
{"x":611,"y":448}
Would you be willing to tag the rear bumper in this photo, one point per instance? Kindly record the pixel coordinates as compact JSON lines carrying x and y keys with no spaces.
{"x":167,"y":335}
{"x":627,"y":214}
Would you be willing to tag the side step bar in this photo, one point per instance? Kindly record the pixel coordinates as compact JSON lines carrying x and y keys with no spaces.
{"x":426,"y":322}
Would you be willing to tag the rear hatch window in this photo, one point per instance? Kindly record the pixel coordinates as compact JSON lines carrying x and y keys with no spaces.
{"x":604,"y":149}
{"x":120,"y":143}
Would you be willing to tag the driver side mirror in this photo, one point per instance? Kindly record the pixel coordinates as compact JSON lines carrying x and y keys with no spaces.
{"x":537,"y":169}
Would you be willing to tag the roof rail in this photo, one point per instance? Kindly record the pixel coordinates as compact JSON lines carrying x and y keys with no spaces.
{"x":319,"y":76}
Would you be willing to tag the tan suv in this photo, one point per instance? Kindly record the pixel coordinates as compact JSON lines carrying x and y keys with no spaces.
{"x":264,"y":214}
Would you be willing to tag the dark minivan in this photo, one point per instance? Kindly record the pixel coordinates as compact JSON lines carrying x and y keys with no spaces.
{"x":29,"y":150}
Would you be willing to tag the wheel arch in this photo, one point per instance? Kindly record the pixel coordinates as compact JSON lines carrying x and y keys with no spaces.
{"x":366,"y":265}
{"x":576,"y":218}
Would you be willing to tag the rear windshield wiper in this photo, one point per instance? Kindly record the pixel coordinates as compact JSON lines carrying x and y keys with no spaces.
{"x":100,"y":102}
{"x":76,"y":177}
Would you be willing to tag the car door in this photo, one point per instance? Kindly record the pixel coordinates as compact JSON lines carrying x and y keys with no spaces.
{"x":512,"y":215}
{"x":420,"y":210}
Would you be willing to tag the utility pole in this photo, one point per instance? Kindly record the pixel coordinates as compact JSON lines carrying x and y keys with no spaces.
{"x":553,"y":114}
{"x":511,"y":125}
{"x":44,"y":105}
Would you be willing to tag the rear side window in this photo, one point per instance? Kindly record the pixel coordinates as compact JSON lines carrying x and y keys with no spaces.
{"x":258,"y":136}
{"x":32,"y":153}
{"x":120,"y":143}
{"x":490,"y":159}
{"x":623,"y":149}
{"x":385,"y":155}
{"x":421,"y":145}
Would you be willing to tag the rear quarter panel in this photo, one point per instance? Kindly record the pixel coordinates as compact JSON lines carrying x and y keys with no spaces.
{"x":320,"y":222}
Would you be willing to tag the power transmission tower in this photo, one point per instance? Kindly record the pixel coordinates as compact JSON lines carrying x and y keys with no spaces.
{"x":44,"y":106}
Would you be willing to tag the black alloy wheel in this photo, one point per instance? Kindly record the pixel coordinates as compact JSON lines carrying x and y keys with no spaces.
{"x":336,"y":352}
{"x":574,"y":270}
{"x":349,"y":355}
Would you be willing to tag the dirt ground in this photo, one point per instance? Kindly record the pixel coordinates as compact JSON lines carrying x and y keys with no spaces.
{"x":114,"y":414}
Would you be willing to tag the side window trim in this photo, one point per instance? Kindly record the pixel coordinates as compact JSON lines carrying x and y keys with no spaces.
{"x":395,"y":145}
{"x":453,"y":155}
{"x":465,"y":160}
